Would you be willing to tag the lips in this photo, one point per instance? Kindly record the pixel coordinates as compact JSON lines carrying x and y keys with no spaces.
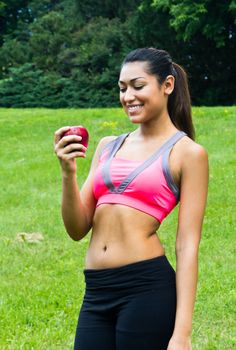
{"x":134,"y":108}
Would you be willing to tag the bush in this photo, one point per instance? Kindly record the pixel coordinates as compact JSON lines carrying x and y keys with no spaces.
{"x":29,"y":87}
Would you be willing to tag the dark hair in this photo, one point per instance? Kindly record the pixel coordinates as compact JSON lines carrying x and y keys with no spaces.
{"x":160,"y":64}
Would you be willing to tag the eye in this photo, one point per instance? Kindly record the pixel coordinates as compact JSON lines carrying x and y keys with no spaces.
{"x":139,"y":87}
{"x":122,"y":89}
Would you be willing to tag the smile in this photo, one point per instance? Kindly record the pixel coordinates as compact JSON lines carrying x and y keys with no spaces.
{"x":134,"y":108}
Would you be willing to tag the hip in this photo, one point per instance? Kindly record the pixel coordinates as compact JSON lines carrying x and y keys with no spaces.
{"x":138,"y":277}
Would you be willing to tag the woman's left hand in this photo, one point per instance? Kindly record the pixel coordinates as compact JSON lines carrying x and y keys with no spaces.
{"x":177,"y":343}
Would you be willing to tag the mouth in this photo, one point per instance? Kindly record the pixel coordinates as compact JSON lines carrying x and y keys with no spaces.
{"x":134,"y":108}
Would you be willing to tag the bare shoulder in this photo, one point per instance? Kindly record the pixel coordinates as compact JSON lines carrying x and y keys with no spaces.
{"x":100,"y":147}
{"x":189,"y":157}
{"x":104,"y":142}
{"x":191,"y":152}
{"x":98,"y":151}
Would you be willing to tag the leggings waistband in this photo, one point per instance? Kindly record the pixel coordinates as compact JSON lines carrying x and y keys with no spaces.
{"x":141,"y":263}
{"x":155,"y":271}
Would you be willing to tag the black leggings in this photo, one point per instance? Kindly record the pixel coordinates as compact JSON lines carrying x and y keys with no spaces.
{"x":131,"y":307}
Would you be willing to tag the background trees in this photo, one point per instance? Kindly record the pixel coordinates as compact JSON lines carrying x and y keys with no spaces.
{"x":67,"y":53}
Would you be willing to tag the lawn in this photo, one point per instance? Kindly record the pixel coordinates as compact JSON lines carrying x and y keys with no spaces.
{"x":42,"y":283}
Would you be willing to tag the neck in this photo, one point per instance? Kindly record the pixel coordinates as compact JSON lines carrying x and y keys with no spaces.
{"x":161,"y":127}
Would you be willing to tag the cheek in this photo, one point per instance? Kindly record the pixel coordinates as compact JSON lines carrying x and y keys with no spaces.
{"x":121,"y":99}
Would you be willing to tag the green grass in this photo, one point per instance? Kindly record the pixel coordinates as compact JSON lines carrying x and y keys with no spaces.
{"x":42,"y":284}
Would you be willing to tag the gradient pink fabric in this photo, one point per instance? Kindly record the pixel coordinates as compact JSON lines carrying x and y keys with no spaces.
{"x":148,"y":192}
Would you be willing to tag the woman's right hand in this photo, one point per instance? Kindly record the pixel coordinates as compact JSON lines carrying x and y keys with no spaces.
{"x":68,"y":148}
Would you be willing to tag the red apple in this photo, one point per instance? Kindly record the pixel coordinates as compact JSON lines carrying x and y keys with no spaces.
{"x":79,"y":131}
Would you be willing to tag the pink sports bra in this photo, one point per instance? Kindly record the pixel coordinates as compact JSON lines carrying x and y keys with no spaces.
{"x":147,"y":185}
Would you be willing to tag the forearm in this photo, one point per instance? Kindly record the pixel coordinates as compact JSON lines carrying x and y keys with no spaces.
{"x":186,"y":284}
{"x":73,"y":211}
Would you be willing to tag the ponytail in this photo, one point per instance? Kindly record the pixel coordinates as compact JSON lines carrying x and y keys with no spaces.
{"x":179,"y":102}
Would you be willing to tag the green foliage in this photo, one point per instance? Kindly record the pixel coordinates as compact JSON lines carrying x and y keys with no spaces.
{"x":28,"y":86}
{"x":88,"y":9}
{"x":40,"y":8}
{"x":12,"y":12}
{"x":79,"y":45}
{"x":89,"y":66}
{"x":2,"y":7}
{"x":214,"y":19}
{"x":49,"y":37}
{"x":13,"y":54}
{"x":186,"y":29}
{"x":150,"y":25}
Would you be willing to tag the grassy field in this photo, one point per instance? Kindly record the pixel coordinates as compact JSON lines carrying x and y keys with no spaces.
{"x":42,"y":283}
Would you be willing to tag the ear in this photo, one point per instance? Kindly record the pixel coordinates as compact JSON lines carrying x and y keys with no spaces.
{"x":169,"y":84}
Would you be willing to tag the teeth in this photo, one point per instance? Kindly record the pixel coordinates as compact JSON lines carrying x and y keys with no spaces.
{"x":134,"y":108}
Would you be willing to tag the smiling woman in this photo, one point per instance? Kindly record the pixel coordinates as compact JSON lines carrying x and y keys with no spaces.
{"x":141,"y":96}
{"x":133,"y":298}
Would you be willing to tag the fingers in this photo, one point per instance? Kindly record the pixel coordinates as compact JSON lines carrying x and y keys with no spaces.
{"x":71,"y":155}
{"x":63,"y":151}
{"x":59,"y":133}
{"x":68,"y":147}
{"x":65,"y":140}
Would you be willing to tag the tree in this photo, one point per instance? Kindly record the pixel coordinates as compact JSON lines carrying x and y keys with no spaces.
{"x":77,"y":46}
{"x":28,"y":86}
{"x":122,"y":9}
{"x":11,"y":12}
{"x":200,"y":36}
{"x":12,"y":54}
{"x":214,"y":19}
{"x":49,"y":36}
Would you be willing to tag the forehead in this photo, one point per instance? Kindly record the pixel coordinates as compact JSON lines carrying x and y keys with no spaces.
{"x":133,"y":70}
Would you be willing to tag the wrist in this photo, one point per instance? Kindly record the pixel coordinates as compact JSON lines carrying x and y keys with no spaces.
{"x":68,"y":176}
{"x":180,"y":342}
{"x":181,"y":333}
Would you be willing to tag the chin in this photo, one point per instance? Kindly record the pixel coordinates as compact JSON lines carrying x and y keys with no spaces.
{"x":136,"y":119}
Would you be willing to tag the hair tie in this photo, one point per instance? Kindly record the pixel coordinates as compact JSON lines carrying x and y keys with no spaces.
{"x":174,"y":72}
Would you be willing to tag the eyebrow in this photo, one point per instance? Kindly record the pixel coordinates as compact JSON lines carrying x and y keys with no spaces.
{"x":122,"y":82}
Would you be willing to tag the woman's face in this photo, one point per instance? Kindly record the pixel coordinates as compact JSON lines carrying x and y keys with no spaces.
{"x":141,"y":96}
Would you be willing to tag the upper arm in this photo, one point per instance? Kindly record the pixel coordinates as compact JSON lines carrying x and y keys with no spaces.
{"x":87,"y":197}
{"x":193,"y":195}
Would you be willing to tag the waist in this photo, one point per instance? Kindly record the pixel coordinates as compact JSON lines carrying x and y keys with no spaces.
{"x":155,"y":273}
{"x":111,"y":253}
{"x":122,"y":235}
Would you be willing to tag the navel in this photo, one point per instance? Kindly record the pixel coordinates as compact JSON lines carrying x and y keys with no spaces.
{"x":104,"y":248}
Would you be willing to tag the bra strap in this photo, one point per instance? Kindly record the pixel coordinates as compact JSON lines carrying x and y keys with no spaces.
{"x":117,"y":144}
{"x":166,"y":167}
{"x":106,"y":167}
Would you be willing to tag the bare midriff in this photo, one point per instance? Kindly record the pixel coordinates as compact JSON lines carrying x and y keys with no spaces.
{"x":122,"y":235}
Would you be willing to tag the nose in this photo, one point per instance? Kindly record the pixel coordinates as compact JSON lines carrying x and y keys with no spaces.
{"x":129,"y":95}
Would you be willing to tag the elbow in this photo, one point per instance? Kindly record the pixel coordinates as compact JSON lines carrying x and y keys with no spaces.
{"x":77,"y":236}
{"x":77,"y":230}
{"x":188,"y":247}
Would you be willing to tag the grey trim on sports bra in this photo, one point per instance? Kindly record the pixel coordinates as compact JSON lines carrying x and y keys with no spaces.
{"x":109,"y":145}
{"x":167,"y":174}
{"x":106,"y":167}
{"x":129,"y":178}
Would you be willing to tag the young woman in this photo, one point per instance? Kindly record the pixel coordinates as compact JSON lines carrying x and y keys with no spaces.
{"x":133,"y":298}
